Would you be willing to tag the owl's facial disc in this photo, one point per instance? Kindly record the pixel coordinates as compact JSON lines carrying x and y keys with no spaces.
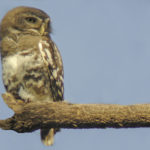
{"x":36,"y":25}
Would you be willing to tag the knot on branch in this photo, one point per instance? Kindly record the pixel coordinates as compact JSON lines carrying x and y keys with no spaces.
{"x":15,"y":105}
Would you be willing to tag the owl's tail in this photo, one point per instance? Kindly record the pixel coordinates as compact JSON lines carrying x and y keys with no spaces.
{"x":47,"y":136}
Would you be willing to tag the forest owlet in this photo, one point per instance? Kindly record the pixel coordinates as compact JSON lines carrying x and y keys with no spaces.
{"x":31,"y":63}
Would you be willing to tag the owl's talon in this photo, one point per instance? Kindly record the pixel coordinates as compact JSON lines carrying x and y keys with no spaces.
{"x":27,"y":100}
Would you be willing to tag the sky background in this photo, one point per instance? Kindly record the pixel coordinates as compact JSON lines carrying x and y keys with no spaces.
{"x":105,"y":46}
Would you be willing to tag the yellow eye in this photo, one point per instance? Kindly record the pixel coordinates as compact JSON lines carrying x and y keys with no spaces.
{"x":31,"y":19}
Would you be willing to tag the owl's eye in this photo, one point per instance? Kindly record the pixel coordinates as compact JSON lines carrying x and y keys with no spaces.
{"x":31,"y":19}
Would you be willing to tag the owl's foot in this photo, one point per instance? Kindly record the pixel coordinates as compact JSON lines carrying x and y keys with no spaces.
{"x":27,"y":100}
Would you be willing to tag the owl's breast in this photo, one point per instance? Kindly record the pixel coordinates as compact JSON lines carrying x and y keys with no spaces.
{"x":19,"y":63}
{"x":25,"y":75}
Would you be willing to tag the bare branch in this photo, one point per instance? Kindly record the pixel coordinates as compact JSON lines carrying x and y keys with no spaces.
{"x":35,"y":115}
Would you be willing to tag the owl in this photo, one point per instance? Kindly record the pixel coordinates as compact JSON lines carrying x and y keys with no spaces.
{"x":32,"y":68}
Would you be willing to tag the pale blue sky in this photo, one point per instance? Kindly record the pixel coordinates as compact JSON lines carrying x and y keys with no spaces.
{"x":105,"y":45}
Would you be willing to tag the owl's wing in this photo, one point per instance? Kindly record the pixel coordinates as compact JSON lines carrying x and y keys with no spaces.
{"x":52,"y":59}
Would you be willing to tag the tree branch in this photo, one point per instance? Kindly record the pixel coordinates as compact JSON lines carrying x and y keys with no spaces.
{"x":30,"y":116}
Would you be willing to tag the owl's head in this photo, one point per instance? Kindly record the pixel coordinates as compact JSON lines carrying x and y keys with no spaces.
{"x":26,"y":20}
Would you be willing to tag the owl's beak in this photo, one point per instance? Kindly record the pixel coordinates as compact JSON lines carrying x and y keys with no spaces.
{"x":44,"y":29}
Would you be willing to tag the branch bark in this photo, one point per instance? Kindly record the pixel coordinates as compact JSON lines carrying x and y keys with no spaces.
{"x":30,"y":116}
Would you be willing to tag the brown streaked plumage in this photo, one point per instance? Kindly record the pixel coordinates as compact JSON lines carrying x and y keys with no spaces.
{"x":31,"y":63}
